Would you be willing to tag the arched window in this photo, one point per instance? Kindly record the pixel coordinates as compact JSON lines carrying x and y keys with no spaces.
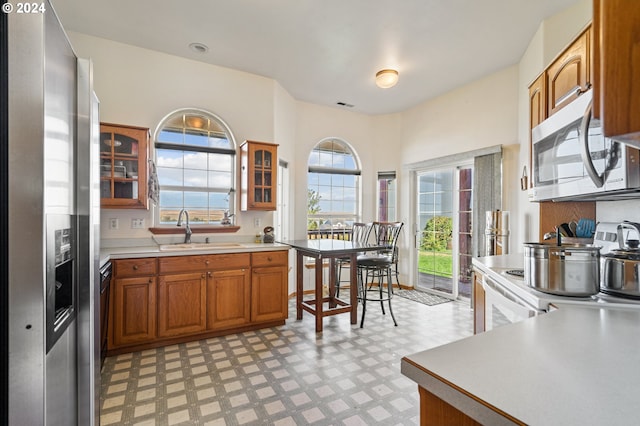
{"x":333,"y":199}
{"x":195,"y":158}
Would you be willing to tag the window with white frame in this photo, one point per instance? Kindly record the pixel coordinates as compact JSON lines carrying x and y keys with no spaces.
{"x":195,"y":156}
{"x":387,"y":196}
{"x":283,"y":194}
{"x":333,"y":188}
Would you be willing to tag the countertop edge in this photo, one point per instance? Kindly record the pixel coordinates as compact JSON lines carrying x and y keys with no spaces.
{"x":462,"y":401}
{"x":111,"y":253}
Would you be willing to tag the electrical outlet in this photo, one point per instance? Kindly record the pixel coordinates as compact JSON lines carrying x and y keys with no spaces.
{"x":256,"y":222}
{"x":114,"y":223}
{"x":137,"y":223}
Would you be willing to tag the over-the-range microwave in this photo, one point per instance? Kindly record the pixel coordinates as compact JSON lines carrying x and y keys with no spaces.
{"x":572,"y":160}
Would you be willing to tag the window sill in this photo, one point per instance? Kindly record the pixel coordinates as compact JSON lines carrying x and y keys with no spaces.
{"x":195,"y":229}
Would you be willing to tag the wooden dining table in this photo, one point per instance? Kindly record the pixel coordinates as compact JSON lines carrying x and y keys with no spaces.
{"x":328,"y":249}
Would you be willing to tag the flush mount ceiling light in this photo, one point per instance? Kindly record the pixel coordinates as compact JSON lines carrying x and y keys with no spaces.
{"x":199,"y":47}
{"x":386,"y":78}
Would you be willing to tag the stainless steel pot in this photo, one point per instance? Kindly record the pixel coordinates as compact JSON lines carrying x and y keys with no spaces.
{"x":621,"y":267}
{"x":566,"y":270}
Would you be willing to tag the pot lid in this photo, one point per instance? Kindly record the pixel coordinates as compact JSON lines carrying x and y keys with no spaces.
{"x":625,"y":254}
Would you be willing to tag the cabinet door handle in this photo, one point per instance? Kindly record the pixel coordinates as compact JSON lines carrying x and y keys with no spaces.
{"x":202,"y":276}
{"x":150,"y":280}
{"x":209,"y":273}
{"x":135,"y":267}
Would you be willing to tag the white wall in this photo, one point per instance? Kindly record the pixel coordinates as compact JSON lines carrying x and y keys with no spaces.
{"x":284,"y":133}
{"x":478,"y":115}
{"x":139,"y":87}
{"x":473,"y":116}
{"x":377,"y":148}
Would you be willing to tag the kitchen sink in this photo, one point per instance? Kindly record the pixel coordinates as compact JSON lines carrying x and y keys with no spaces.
{"x":199,"y":246}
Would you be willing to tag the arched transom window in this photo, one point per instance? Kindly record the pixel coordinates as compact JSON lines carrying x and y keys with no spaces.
{"x":195,"y":158}
{"x":333,"y":200}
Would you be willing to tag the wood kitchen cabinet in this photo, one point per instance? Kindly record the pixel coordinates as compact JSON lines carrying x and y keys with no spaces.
{"x":436,"y":412}
{"x":537,"y":112}
{"x":123,"y":166}
{"x":258,"y":179}
{"x":229,"y":299}
{"x":174,"y":299}
{"x":569,"y":76}
{"x":538,"y":101}
{"x":229,"y":291}
{"x":133,"y":312}
{"x":617,"y":86}
{"x":268,"y":295}
{"x":182,"y":304}
{"x":218,"y":294}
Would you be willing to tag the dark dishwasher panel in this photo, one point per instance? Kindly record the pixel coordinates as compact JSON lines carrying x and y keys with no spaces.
{"x":105,"y":285}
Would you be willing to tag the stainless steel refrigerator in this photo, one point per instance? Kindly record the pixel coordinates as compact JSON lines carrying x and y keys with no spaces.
{"x":49,"y":242}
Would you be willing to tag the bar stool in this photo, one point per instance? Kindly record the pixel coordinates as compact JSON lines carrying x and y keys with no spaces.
{"x":377,"y":266}
{"x":359,"y":234}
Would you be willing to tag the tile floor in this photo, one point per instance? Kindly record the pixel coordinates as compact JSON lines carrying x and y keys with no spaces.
{"x":286,"y":375}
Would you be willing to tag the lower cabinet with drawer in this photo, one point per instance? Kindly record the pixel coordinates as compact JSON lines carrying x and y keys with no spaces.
{"x":133,"y":308}
{"x":176,"y":299}
{"x":268,"y":295}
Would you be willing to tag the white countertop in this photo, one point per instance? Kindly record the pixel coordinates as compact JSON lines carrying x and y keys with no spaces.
{"x":579,"y":365}
{"x":154,"y":250}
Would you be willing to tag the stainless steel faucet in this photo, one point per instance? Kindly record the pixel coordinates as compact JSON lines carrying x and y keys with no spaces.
{"x":187,"y":228}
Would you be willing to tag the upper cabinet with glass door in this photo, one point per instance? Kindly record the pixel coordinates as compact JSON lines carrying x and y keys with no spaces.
{"x":258,"y":175}
{"x":123,"y":166}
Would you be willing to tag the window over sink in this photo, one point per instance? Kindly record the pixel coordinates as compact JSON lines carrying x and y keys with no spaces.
{"x":195,"y":154}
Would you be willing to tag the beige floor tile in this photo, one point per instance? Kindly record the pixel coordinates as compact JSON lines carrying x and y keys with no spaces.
{"x":115,"y":401}
{"x":111,"y":418}
{"x":145,"y":409}
{"x":179,"y":417}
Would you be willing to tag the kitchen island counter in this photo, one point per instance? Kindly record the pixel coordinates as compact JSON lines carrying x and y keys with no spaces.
{"x":577,"y":365}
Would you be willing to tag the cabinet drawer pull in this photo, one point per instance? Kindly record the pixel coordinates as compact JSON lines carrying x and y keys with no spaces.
{"x":270,"y":259}
{"x":206,"y":262}
{"x":135,"y":267}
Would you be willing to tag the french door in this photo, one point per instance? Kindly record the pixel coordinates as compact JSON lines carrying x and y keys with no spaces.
{"x":443,"y":230}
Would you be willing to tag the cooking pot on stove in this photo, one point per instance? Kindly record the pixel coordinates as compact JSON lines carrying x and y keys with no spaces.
{"x":565,"y":270}
{"x":621,"y":267}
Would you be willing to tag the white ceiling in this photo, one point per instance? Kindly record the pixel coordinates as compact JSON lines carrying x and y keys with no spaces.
{"x":328,"y":51}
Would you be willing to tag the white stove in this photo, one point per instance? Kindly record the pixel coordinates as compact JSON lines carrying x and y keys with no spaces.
{"x":509,"y":294}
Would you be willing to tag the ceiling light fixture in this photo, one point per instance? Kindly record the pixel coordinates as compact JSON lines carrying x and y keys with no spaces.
{"x":199,"y":47}
{"x":386,"y":78}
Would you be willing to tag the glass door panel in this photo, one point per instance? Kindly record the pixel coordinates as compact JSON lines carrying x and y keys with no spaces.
{"x":444,"y":231}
